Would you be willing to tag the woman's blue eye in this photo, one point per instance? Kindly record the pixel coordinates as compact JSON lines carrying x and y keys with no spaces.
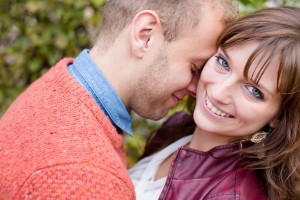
{"x":222,"y":62}
{"x":255,"y":92}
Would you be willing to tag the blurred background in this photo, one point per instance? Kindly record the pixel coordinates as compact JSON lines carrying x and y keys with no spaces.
{"x":35,"y":34}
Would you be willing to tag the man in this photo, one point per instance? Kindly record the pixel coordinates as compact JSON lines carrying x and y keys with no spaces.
{"x":63,"y":137}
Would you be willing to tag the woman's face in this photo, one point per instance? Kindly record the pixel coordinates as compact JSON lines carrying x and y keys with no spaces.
{"x":230,"y":106}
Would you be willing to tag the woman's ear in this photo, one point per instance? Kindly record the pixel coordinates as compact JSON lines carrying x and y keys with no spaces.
{"x":274,"y":123}
{"x":144,"y":27}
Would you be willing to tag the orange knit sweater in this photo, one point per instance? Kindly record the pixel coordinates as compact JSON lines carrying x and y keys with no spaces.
{"x":56,"y":143}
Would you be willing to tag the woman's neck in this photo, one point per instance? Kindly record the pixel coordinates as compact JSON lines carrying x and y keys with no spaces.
{"x":205,"y":141}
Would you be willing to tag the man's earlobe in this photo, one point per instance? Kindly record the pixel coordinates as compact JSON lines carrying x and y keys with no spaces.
{"x":144,"y":27}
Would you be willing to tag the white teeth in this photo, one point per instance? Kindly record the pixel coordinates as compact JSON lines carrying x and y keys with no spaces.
{"x":215,"y":110}
{"x":209,"y":105}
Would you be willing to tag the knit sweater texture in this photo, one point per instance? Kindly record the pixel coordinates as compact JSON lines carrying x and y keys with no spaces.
{"x":56,"y":143}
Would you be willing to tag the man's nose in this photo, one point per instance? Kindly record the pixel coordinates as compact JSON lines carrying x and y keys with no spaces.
{"x":192,"y":87}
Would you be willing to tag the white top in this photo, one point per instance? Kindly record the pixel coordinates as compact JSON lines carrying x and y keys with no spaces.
{"x":144,"y":171}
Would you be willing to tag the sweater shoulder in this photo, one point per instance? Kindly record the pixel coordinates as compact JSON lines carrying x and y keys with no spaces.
{"x":75,"y":181}
{"x":56,"y":122}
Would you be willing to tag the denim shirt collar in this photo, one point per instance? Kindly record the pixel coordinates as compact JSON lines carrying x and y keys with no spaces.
{"x":89,"y":76}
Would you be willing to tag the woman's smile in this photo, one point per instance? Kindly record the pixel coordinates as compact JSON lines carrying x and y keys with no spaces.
{"x":215,"y":110}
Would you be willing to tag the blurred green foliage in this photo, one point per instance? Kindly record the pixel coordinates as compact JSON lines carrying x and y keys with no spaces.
{"x":247,"y":6}
{"x":35,"y":34}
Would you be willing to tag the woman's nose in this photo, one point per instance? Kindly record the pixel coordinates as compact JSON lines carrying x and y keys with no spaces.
{"x":222,"y":91}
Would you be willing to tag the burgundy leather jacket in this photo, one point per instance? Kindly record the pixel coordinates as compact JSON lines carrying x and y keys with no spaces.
{"x":198,"y":175}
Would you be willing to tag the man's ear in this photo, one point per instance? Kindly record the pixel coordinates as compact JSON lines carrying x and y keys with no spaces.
{"x":145,"y":25}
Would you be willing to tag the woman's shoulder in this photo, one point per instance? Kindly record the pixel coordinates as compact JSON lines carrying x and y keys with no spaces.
{"x":250,"y":184}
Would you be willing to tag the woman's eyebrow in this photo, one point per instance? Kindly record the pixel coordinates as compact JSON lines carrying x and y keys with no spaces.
{"x":259,"y":84}
{"x":226,"y":54}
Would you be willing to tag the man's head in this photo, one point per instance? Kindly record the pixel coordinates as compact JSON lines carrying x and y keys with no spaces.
{"x":176,"y":17}
{"x":151,"y":49}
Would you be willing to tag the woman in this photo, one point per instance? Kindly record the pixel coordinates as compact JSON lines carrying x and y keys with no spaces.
{"x":245,"y":133}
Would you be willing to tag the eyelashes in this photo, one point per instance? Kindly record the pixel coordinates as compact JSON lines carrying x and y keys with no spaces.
{"x":196,"y":70}
{"x":222,"y":62}
{"x":255,"y":92}
{"x":250,"y":89}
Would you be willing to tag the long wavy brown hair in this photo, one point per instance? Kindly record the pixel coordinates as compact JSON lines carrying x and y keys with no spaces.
{"x":278,"y":32}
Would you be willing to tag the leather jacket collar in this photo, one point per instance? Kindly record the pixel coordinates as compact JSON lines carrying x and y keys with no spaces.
{"x":211,"y":175}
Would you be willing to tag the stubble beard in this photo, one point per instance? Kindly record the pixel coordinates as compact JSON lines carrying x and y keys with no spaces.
{"x":152,"y":90}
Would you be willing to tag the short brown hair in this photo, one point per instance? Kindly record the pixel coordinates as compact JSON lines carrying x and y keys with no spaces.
{"x":175,"y":15}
